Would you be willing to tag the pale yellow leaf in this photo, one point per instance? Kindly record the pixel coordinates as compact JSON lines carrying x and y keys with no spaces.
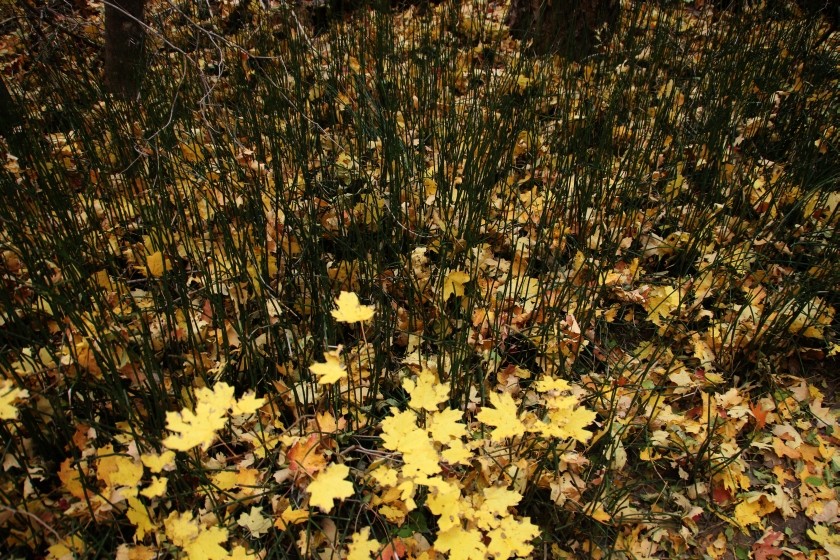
{"x":349,"y":310}
{"x":454,"y":284}
{"x":155,"y":265}
{"x":9,"y":397}
{"x":254,"y":521}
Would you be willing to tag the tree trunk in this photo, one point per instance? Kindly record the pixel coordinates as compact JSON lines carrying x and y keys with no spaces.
{"x":124,"y":40}
{"x":566,"y":27}
{"x":11,"y":122}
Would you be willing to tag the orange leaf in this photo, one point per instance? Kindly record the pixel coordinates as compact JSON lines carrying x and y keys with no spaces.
{"x":305,"y":456}
{"x":759,"y":414}
{"x":393,"y":551}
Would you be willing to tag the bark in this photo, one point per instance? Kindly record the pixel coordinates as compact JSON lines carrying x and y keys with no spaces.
{"x":11,"y":122}
{"x":567,"y":27}
{"x":124,"y":42}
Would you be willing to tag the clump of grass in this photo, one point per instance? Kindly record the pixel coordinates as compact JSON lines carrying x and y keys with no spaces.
{"x":653,"y":225}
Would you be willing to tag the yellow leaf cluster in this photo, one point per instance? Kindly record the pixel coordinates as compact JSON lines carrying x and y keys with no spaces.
{"x":196,"y":541}
{"x":426,"y":393}
{"x":199,"y":427}
{"x":471,"y":525}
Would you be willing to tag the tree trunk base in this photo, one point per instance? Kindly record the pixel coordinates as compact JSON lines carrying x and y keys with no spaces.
{"x":124,"y":41}
{"x":562,"y":26}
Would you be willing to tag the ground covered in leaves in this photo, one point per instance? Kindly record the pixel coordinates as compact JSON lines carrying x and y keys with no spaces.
{"x":392,"y":287}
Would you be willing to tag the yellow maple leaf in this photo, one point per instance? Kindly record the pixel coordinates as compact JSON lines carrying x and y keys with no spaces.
{"x":117,"y":470}
{"x":157,"y":463}
{"x":197,"y":542}
{"x":362,"y":546}
{"x":195,"y":428}
{"x":68,"y":548}
{"x":71,"y":478}
{"x":307,"y":456}
{"x":224,"y":480}
{"x":548,"y":384}
{"x":747,"y":513}
{"x":385,"y":475}
{"x":395,"y":513}
{"x":397,"y":428}
{"x":426,"y":393}
{"x":200,"y":427}
{"x":330,"y":371}
{"x":446,"y":425}
{"x":454,"y":284}
{"x":9,"y":396}
{"x":830,"y":542}
{"x":753,"y":510}
{"x":139,"y":517}
{"x":154,"y":265}
{"x":503,"y":416}
{"x":524,"y":288}
{"x":349,"y":309}
{"x":456,"y":453}
{"x":135,"y":552}
{"x":248,"y":404}
{"x":330,"y":485}
{"x":497,"y":501}
{"x":180,"y":528}
{"x":462,"y":544}
{"x":219,"y":397}
{"x":568,"y":421}
{"x":419,"y":455}
{"x":208,"y":545}
{"x":401,"y":433}
{"x":512,"y":538}
{"x":291,"y":516}
{"x":156,"y":488}
{"x":598,"y":513}
{"x":444,"y":500}
{"x":248,"y":477}
{"x":661,"y":301}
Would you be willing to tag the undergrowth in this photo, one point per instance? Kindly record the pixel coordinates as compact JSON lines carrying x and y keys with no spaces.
{"x":592,"y":294}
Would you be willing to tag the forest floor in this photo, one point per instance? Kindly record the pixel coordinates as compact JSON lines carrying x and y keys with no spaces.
{"x":386,"y":285}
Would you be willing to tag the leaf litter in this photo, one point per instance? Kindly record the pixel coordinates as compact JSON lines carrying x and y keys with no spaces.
{"x":600,"y":297}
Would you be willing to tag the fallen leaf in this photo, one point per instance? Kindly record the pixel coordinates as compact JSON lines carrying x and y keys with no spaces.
{"x":349,"y":310}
